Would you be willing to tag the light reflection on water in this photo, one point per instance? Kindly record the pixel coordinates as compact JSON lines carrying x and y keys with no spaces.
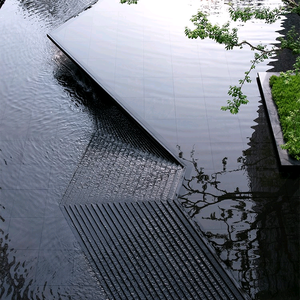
{"x":46,"y":120}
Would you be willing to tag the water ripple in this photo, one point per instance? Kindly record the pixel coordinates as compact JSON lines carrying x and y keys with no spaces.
{"x":51,"y":12}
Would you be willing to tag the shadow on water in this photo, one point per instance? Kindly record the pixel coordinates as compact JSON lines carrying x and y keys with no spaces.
{"x":285,"y":59}
{"x":124,"y":161}
{"x":83,"y":91}
{"x":1,"y":3}
{"x":254,"y":230}
{"x":108,"y":117}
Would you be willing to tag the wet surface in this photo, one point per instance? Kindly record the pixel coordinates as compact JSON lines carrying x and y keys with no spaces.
{"x":48,"y":114}
{"x":149,"y":250}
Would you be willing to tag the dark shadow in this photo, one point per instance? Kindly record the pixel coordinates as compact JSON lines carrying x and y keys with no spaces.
{"x":109,"y":118}
{"x":122,"y":160}
{"x":285,"y":58}
{"x":1,"y":3}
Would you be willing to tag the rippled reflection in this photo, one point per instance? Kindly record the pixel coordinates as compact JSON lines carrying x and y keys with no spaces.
{"x":245,"y":212}
{"x":50,"y":10}
{"x":13,"y":273}
{"x":31,"y":110}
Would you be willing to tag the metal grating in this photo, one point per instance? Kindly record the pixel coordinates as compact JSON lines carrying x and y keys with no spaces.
{"x":148,"y":250}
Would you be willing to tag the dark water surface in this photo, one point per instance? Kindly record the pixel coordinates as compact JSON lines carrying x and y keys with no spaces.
{"x":49,"y":110}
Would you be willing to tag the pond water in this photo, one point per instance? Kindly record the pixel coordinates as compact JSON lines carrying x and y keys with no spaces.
{"x":49,"y":110}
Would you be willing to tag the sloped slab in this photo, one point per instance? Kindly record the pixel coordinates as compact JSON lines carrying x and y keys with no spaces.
{"x":286,"y":162}
{"x":148,"y":250}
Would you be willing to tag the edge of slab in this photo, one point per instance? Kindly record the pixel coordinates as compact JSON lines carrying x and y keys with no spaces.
{"x":142,"y":123}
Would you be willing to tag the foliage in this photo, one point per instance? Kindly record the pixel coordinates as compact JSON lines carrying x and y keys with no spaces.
{"x":129,"y":1}
{"x":286,"y":94}
{"x":228,"y":36}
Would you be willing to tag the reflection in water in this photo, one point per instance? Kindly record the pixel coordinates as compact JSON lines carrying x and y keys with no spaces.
{"x":54,"y":10}
{"x":247,"y":225}
{"x":277,"y":217}
{"x":25,"y":80}
{"x":228,"y":216}
{"x":254,"y":230}
{"x":17,"y":274}
{"x":88,"y":96}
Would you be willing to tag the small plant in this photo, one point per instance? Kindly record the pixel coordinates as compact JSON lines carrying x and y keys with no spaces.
{"x":129,"y":1}
{"x":286,"y":95}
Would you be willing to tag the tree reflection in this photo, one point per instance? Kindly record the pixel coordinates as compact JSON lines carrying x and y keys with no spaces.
{"x":207,"y":187}
{"x":253,"y":228}
{"x":230,"y":210}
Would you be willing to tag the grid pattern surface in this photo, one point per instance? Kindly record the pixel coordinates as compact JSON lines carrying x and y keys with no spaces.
{"x":115,"y":170}
{"x":148,"y":250}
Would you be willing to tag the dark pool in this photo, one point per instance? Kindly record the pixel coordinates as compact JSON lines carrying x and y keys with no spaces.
{"x":49,"y":110}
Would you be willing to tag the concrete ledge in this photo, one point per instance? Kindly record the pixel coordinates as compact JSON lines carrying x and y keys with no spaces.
{"x":286,"y":162}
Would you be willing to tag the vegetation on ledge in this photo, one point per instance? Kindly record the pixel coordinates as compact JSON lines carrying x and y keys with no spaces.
{"x":286,"y":94}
